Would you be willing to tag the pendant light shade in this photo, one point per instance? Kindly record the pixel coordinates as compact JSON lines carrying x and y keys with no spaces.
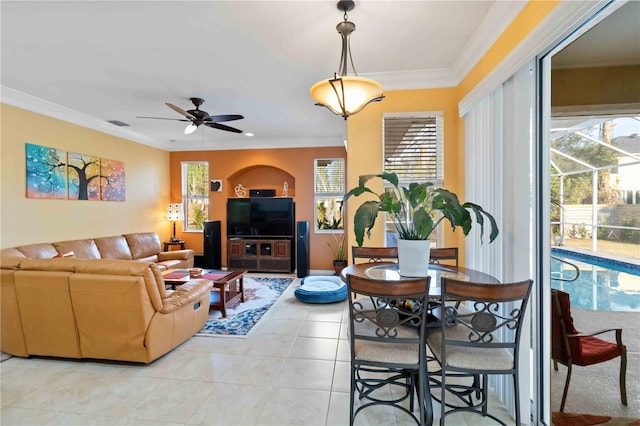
{"x":343,"y":94}
{"x":346,"y":95}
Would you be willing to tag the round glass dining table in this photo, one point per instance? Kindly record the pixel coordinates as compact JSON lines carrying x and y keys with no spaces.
{"x":388,"y":271}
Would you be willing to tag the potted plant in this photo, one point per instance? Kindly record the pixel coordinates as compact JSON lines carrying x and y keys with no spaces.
{"x":416,"y":211}
{"x":339,"y":253}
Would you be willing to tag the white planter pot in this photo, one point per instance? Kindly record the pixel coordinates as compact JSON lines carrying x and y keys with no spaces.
{"x":413,"y":257}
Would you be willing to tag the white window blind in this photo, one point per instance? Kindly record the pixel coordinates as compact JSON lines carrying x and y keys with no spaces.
{"x":413,"y":147}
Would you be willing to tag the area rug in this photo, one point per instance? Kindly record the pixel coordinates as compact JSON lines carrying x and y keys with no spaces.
{"x":570,"y":419}
{"x":259,"y":295}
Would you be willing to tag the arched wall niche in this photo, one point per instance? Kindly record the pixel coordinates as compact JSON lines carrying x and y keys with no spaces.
{"x":261,"y":177}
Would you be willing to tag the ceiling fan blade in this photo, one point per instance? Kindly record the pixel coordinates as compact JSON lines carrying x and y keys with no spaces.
{"x":162,"y":118}
{"x":223,"y":127}
{"x":221,"y":118}
{"x":178,"y":110}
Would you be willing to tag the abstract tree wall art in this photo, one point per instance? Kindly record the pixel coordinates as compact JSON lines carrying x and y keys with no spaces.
{"x":112,"y":180}
{"x":57,"y":174}
{"x":83,"y":173}
{"x":46,"y":172}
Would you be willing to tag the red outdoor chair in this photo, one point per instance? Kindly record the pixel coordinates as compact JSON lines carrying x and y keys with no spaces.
{"x":569,"y":346}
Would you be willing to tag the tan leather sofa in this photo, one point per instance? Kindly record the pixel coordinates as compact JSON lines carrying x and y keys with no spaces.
{"x":103,"y":309}
{"x":143,"y":246}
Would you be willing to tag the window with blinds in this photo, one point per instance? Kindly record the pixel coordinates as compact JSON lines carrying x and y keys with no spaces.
{"x":329,"y":190}
{"x":413,"y":147}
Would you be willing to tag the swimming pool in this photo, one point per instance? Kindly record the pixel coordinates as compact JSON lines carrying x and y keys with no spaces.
{"x":603,"y":285}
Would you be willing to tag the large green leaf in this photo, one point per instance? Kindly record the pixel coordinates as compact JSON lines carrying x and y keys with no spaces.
{"x":364,"y":219}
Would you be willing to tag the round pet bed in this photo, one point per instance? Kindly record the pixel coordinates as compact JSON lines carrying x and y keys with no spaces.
{"x":321,"y":289}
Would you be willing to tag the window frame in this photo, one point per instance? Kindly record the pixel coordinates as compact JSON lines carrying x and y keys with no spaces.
{"x":319,"y":196}
{"x":184,"y":165}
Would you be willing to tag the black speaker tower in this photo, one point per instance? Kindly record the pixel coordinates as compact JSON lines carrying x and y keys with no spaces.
{"x":212,"y":245}
{"x":302,"y":264}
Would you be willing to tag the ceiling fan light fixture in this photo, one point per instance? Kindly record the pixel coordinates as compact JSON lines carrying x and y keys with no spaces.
{"x":190,"y":129}
{"x":343,"y":94}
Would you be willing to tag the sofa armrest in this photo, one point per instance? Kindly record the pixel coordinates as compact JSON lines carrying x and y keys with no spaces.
{"x":185,"y":294}
{"x":175,"y":255}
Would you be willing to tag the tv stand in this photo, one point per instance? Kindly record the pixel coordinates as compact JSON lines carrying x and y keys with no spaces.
{"x":273,"y":255}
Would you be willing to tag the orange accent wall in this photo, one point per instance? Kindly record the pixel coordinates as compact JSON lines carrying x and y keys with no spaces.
{"x":259,"y":169}
{"x":365,"y":146}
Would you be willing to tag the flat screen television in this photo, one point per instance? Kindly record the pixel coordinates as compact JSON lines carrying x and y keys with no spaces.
{"x":260,"y":217}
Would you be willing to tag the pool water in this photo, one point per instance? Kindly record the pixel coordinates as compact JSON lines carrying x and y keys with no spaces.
{"x":602,"y":285}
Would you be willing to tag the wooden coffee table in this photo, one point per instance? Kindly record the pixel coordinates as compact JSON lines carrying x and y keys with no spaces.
{"x":228,"y":291}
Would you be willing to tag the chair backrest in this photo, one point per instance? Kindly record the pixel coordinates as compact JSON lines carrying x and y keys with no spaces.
{"x":391,"y":312}
{"x":374,"y":254}
{"x":490,"y":319}
{"x":443,"y":253}
{"x":561,"y":325}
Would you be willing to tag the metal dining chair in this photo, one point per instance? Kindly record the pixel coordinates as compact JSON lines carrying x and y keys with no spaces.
{"x":388,"y":345}
{"x":481,"y":337}
{"x":375,"y":254}
{"x":436,"y":255}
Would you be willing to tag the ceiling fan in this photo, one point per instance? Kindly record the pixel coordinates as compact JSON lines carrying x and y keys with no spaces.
{"x":196,"y":117}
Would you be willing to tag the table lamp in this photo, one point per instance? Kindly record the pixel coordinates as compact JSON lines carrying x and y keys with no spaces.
{"x":175,"y":213}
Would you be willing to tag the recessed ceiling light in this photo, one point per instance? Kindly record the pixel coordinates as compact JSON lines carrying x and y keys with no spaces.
{"x":248,"y":134}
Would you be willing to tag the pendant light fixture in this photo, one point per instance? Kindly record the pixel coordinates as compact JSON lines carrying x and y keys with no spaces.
{"x":343,"y":94}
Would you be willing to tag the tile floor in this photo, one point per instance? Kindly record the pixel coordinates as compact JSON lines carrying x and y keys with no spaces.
{"x":293,"y":369}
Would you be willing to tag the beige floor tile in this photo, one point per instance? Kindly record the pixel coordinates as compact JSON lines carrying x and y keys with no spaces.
{"x":295,"y":407}
{"x":269,"y":344}
{"x":252,"y":370}
{"x":289,"y":308}
{"x":314,"y":348}
{"x":218,"y":344}
{"x":344,"y":350}
{"x":344,"y":330}
{"x":28,"y":417}
{"x":173,"y":401}
{"x":329,"y":330}
{"x":230,"y":404}
{"x":18,"y":383}
{"x":338,"y":409}
{"x":328,"y":313}
{"x":90,"y":393}
{"x":342,"y":377}
{"x":279,"y":326}
{"x":306,"y":374}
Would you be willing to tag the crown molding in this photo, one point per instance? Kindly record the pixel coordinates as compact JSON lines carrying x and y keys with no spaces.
{"x":561,"y":21}
{"x":500,"y":16}
{"x":40,"y":106}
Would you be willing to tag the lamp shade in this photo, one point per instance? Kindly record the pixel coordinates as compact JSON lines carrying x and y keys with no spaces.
{"x":346,"y":95}
{"x":175,"y":212}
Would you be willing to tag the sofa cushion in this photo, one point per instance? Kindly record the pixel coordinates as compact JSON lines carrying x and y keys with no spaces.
{"x":114,"y":247}
{"x":13,"y":251}
{"x":143,"y":245}
{"x":38,"y":251}
{"x":83,"y":249}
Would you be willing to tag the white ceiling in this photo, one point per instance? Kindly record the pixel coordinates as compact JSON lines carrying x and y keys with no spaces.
{"x":89,"y":62}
